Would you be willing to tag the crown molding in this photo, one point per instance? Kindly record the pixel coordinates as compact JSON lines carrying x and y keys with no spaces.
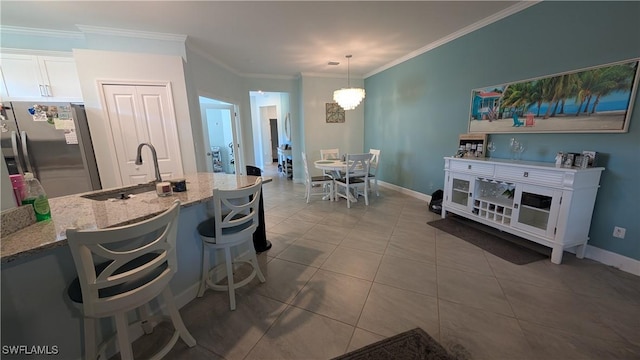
{"x":208,"y":56}
{"x":88,"y":29}
{"x":464,"y":31}
{"x":17,"y":51}
{"x":332,"y":75}
{"x":17,"y":30}
{"x":269,"y":76}
{"x":321,"y":75}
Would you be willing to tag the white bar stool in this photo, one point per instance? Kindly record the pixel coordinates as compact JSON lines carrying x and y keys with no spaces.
{"x":121,"y":269}
{"x":233,"y":224}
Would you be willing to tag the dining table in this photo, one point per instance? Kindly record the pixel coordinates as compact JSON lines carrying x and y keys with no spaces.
{"x":336,"y":167}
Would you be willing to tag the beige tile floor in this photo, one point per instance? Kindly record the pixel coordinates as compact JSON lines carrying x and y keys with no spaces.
{"x":338,"y":279}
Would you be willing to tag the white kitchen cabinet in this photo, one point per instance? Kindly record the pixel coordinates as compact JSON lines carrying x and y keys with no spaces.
{"x":541,"y":202}
{"x":39,"y":78}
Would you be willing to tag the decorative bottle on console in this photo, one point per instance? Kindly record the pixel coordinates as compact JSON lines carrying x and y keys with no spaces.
{"x":36,"y":197}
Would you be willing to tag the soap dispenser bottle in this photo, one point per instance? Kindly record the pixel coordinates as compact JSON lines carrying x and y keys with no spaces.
{"x":36,"y":197}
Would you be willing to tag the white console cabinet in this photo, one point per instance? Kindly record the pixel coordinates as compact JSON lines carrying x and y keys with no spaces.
{"x":541,"y":202}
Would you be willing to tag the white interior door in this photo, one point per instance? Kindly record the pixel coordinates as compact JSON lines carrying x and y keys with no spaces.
{"x":143,"y":114}
{"x":207,"y":141}
{"x":221,"y":131}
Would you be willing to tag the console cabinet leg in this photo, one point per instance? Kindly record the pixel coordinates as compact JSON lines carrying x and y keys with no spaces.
{"x":580,"y":251}
{"x":556,"y":255}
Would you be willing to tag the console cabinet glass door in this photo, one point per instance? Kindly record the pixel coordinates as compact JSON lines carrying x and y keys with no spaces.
{"x":536,"y":209}
{"x":460,"y":191}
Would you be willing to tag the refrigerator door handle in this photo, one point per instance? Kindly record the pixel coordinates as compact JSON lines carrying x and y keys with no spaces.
{"x":16,"y":152}
{"x":25,"y":153}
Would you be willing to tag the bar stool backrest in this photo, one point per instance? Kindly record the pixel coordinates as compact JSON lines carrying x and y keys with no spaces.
{"x":123,"y":267}
{"x":236,"y":212}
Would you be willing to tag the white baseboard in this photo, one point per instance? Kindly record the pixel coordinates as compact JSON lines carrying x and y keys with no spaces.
{"x":186,"y":296}
{"x":402,"y":190}
{"x":191,"y":292}
{"x":618,"y":261}
{"x":605,"y":257}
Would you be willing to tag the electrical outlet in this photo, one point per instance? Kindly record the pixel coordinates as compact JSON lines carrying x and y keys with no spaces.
{"x":619,"y":232}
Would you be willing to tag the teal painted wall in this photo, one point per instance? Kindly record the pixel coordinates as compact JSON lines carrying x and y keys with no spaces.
{"x":415,"y":111}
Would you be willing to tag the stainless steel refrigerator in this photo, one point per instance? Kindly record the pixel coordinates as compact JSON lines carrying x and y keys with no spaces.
{"x":52,"y":141}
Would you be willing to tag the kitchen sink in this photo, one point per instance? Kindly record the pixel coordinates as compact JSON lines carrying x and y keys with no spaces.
{"x":120,"y":193}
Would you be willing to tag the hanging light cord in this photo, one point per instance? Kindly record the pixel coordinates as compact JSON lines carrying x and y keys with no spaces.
{"x":348,"y":70}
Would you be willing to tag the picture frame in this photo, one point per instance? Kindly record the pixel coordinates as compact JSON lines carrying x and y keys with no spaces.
{"x":472,"y":145}
{"x":591,"y":158}
{"x":335,"y":113}
{"x":596,"y":99}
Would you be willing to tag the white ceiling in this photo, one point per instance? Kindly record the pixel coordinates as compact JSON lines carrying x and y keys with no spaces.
{"x":278,"y":38}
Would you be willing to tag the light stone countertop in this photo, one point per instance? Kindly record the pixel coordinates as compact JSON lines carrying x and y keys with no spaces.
{"x":74,"y":211}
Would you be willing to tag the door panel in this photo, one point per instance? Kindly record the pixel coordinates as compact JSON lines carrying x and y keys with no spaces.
{"x":61,"y":76}
{"x":158,"y":136}
{"x":121,"y":106}
{"x":536,"y":209}
{"x":459,"y":191}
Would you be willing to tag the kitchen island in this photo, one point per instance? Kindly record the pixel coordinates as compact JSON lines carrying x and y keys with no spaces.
{"x":75,"y":211}
{"x":37,"y":266}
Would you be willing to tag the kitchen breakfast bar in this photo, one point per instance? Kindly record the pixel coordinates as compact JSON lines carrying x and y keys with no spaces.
{"x":37,"y":265}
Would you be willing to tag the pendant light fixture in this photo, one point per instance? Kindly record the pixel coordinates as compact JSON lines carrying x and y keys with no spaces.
{"x":348,"y":98}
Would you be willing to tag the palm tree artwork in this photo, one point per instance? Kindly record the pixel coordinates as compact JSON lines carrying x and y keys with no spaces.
{"x":595,"y":99}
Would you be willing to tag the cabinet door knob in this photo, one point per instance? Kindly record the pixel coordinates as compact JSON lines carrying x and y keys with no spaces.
{"x":515,"y":206}
{"x":526,"y":174}
{"x":468,"y":167}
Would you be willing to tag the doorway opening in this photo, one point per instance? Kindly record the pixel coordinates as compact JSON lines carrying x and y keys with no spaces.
{"x":221,"y":132}
{"x":273,"y":124}
{"x":266,"y":107}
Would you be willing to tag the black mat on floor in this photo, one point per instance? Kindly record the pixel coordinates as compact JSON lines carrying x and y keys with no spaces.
{"x":504,"y":245}
{"x":413,"y":344}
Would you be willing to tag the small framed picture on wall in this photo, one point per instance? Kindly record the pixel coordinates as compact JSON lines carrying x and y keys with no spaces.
{"x":335,"y":113}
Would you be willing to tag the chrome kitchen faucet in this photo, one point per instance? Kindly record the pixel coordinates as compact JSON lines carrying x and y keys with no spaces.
{"x":155,"y":159}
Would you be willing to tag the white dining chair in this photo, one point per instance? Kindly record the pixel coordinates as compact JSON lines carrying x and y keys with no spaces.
{"x":122,"y":269}
{"x":232,"y":225}
{"x":330,"y":154}
{"x":373,"y":168}
{"x":324,"y":182}
{"x":356,"y":177}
